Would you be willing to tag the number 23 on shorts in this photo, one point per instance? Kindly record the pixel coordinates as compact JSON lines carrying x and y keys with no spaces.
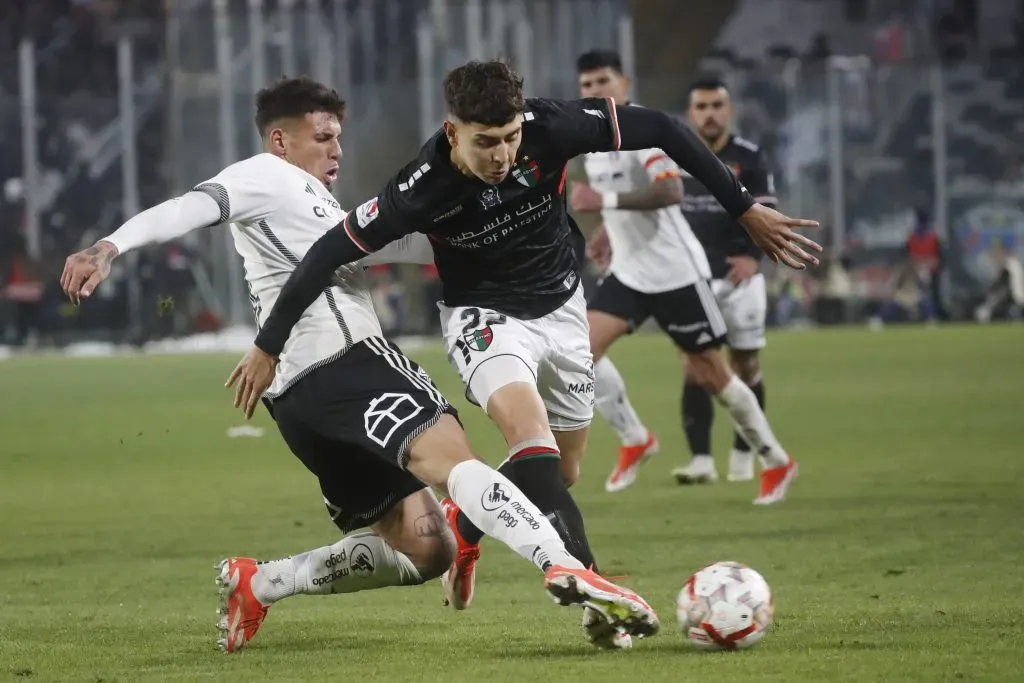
{"x":477,"y":334}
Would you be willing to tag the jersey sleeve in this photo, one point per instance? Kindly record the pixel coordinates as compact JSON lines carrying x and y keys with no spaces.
{"x":396,"y":212}
{"x":759,"y":180}
{"x":658,"y":165}
{"x":374,"y":224}
{"x":245,"y":191}
{"x":576,"y":127}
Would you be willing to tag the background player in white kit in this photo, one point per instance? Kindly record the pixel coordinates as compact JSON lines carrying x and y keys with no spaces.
{"x":359,"y":414}
{"x":658,"y":269}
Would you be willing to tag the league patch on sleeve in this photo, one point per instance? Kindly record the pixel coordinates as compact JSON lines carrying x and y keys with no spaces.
{"x":367,"y":212}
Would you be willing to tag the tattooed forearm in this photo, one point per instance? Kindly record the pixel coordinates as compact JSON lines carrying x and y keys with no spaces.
{"x":430,"y":525}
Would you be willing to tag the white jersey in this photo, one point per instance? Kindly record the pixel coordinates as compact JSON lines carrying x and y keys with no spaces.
{"x":652,"y":251}
{"x":277,"y":211}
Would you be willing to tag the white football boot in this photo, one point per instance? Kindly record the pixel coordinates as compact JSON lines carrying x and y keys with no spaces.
{"x":700,"y":470}
{"x":741,"y":466}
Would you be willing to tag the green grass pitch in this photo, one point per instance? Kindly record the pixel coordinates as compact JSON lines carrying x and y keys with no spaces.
{"x":897,"y":557}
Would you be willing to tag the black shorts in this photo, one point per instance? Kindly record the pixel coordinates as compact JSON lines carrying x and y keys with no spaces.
{"x":350,"y":422}
{"x":688,"y":315}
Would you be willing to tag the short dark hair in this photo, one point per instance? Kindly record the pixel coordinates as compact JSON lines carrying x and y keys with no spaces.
{"x":294,"y":98}
{"x":706,"y":82}
{"x":599,"y":59}
{"x":490,"y":93}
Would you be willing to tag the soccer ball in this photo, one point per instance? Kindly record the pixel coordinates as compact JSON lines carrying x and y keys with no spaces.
{"x":725,"y":606}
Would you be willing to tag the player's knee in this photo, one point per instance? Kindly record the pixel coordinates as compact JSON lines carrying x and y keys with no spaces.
{"x":436,"y":451}
{"x":436,"y":555}
{"x":745,"y":364}
{"x":570,"y":470}
{"x":708,"y":370}
{"x":571,"y":438}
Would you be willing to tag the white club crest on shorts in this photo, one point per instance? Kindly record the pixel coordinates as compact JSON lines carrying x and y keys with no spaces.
{"x":386,"y":414}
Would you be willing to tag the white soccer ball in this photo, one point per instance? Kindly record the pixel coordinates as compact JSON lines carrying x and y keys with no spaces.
{"x":725,"y":606}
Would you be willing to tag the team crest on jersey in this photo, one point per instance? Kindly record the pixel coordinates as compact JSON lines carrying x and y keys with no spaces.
{"x":526,"y":172}
{"x":367,"y":212}
{"x":479,"y":340}
{"x":736,"y":169}
{"x":490,"y":198}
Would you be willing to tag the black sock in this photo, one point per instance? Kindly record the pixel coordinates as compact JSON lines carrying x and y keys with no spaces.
{"x":737,"y":441}
{"x":698,"y":414}
{"x":540,"y":480}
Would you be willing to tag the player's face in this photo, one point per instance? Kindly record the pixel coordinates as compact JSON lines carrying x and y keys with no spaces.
{"x":486,"y":152}
{"x":313,"y":143}
{"x":605,"y":82}
{"x":710,"y":113}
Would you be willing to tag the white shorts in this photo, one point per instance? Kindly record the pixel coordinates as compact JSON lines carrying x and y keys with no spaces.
{"x":491,"y":350}
{"x":744,"y":308}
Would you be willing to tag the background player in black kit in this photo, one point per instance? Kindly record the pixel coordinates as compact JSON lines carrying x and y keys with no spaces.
{"x":737,"y":282}
{"x":488,"y":190}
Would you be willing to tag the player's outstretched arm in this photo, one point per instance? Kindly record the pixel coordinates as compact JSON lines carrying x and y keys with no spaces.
{"x":167,"y":221}
{"x":641,"y":128}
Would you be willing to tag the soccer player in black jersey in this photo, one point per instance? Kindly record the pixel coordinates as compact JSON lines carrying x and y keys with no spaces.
{"x":488,"y":190}
{"x":737,"y":282}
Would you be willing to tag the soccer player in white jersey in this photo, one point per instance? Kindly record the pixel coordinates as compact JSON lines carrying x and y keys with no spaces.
{"x":658,"y":269}
{"x":359,"y":414}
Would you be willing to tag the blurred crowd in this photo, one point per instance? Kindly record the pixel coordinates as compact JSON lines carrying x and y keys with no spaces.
{"x":913,"y":277}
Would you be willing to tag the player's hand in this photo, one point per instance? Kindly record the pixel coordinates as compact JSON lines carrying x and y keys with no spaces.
{"x":599,"y":249}
{"x":741,"y":268}
{"x":773,"y":233}
{"x":583,"y":197}
{"x":84,"y":271}
{"x":254,"y":374}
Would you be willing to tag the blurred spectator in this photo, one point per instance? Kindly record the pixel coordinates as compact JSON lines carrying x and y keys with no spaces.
{"x":820,"y":49}
{"x":388,"y":297}
{"x":832,"y":306}
{"x":23,"y":288}
{"x":432,"y":292}
{"x":910,"y":301}
{"x":925,"y":252}
{"x":1005,"y":296}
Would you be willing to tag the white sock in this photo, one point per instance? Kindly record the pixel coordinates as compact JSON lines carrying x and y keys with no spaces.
{"x":499,"y":509}
{"x":613,"y":404}
{"x":355,"y":563}
{"x":750,"y":422}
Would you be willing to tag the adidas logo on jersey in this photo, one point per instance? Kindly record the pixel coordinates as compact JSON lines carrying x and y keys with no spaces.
{"x":704,"y":338}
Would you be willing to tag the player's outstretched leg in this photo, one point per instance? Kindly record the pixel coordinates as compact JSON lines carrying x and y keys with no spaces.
{"x":363,"y":561}
{"x":612,"y":403}
{"x":249,"y":587}
{"x":698,"y":413}
{"x":441,"y":457}
{"x":709,"y":368}
{"x":745,"y":364}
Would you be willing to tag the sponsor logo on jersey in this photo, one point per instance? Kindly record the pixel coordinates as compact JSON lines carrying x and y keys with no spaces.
{"x":367,"y":212}
{"x":490,"y":198}
{"x":526,"y":172}
{"x":448,"y":214}
{"x":479,"y":340}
